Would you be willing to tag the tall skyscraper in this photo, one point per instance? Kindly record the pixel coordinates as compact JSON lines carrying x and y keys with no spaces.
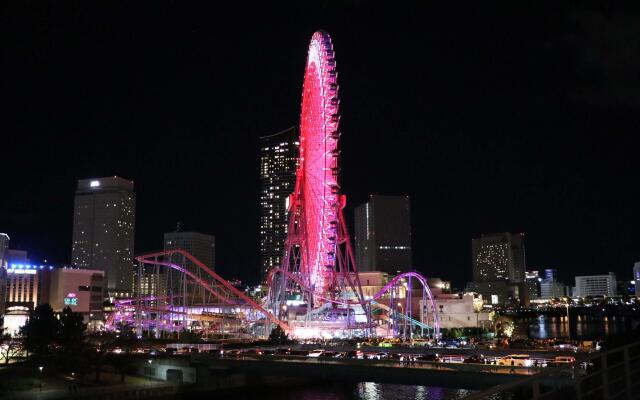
{"x":383,"y":234}
{"x":278,"y":162}
{"x":103,"y":230}
{"x":636,"y":273}
{"x":499,"y":257}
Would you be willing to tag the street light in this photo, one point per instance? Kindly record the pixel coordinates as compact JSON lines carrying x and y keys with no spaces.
{"x":568,"y":321}
{"x":41,"y":368}
{"x":149,"y":361}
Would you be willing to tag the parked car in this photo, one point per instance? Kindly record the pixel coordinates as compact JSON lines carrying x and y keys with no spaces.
{"x":328,"y":354}
{"x":355,"y":354}
{"x":474,"y":359}
{"x":429,"y":357}
{"x":562,"y":360}
{"x":316,"y":353}
{"x":565,"y":346}
{"x":377,"y":356}
{"x":517,"y":360}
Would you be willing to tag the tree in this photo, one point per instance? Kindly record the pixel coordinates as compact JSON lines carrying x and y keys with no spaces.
{"x":71,"y":338}
{"x":72,"y":329}
{"x":40,"y":331}
{"x":9,"y":348}
{"x":278,"y":335}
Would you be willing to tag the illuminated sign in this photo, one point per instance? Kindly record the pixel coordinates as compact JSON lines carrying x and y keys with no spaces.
{"x":71,"y":300}
{"x":21,"y":271}
{"x":94,"y":184}
{"x":494,"y":299}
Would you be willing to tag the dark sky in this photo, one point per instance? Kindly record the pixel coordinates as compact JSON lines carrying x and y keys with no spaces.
{"x":513,"y":117}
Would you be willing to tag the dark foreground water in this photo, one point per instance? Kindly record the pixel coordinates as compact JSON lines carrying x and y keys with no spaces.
{"x":359,"y":391}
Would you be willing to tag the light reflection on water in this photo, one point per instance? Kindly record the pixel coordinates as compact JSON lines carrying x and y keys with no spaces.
{"x":582,"y":327}
{"x":379,"y":391}
{"x":367,"y":391}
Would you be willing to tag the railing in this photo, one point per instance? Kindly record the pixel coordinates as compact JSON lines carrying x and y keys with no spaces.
{"x":610,"y":375}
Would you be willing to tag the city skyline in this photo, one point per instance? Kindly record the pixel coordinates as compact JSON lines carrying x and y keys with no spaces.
{"x":551,"y":162}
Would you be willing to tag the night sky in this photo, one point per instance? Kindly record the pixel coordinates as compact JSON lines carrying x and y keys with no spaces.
{"x":514,"y":117}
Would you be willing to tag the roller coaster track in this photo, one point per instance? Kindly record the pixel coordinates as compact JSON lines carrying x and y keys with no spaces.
{"x":152,"y":258}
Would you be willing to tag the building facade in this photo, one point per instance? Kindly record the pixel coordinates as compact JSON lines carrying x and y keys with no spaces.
{"x":103,"y":231}
{"x":532,"y":283}
{"x":80,"y":289}
{"x":21,"y":290}
{"x":4,"y":249}
{"x":459,"y":311}
{"x":278,"y":163}
{"x":383,"y":234}
{"x":498,"y":257}
{"x":550,"y":286}
{"x":200,"y":245}
{"x":636,"y":275}
{"x":596,"y":285}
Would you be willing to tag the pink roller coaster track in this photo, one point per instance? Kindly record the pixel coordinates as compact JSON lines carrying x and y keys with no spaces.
{"x":152,"y":259}
{"x":394,"y":282}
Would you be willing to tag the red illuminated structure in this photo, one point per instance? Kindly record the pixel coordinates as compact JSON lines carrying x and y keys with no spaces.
{"x":318,"y":265}
{"x":316,"y":292}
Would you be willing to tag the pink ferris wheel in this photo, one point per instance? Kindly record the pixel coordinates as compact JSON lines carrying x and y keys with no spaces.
{"x":318,"y":259}
{"x":317,"y":185}
{"x":316,"y":291}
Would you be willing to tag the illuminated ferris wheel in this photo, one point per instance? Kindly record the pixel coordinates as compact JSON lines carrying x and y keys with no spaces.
{"x":318,"y":258}
{"x":316,"y":291}
{"x":318,"y":170}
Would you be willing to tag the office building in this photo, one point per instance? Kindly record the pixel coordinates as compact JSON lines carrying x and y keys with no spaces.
{"x":22,"y":285}
{"x":596,"y":285}
{"x":636,"y":276}
{"x":532,"y":282}
{"x":103,"y":231}
{"x":80,"y":289}
{"x":383,"y":234}
{"x":4,"y":248}
{"x":200,"y":245}
{"x":278,"y":162}
{"x":550,"y":286}
{"x":21,"y":289}
{"x":498,"y":257}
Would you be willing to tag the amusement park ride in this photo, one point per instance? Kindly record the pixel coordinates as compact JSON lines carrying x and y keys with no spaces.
{"x":316,"y":292}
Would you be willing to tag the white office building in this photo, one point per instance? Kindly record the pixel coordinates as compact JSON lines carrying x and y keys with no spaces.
{"x":596,"y":285}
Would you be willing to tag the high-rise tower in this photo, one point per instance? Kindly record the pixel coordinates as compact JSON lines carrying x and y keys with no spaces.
{"x":383,"y":234}
{"x":278,"y":161}
{"x":103,"y":230}
{"x":499,"y":257}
